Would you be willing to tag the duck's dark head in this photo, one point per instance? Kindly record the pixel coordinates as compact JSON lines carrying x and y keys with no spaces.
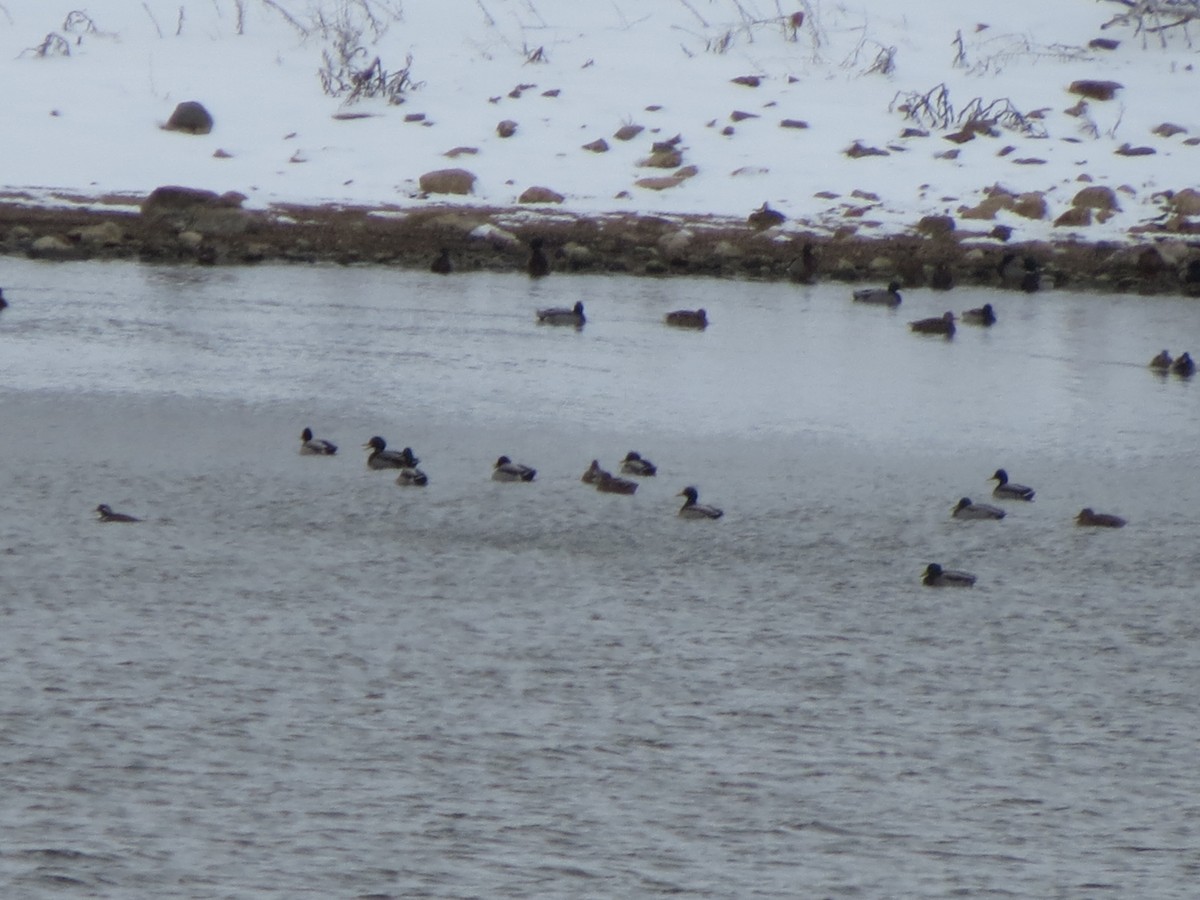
{"x":963,"y":503}
{"x":691,"y":493}
{"x":632,"y":456}
{"x":933,"y":570}
{"x":306,"y":435}
{"x":3,"y":302}
{"x":893,"y":287}
{"x":104,"y":509}
{"x":1000,"y":476}
{"x":502,"y":461}
{"x":578,"y":308}
{"x":375,"y":443}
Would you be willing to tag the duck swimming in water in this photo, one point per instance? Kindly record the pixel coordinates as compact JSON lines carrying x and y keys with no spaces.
{"x":943,"y":325}
{"x":982,"y":315}
{"x":507,"y":470}
{"x":104,"y":511}
{"x":1162,"y":362}
{"x":607,"y":483}
{"x":692,"y":509}
{"x":633,"y":464}
{"x":441,"y":264}
{"x":688,"y":318}
{"x":879,"y":296}
{"x":382,"y":458}
{"x":594,"y":473}
{"x":560,"y":315}
{"x":1007,"y":490}
{"x":412,"y":477}
{"x":1090,"y":519}
{"x":310,"y":446}
{"x":936,"y":576}
{"x":3,"y":302}
{"x":1183,"y":366}
{"x":968,"y":510}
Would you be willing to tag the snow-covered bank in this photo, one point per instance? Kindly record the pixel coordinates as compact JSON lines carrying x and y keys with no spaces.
{"x":764,"y":97}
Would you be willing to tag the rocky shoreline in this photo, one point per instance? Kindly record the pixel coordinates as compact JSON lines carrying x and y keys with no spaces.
{"x":183,"y":226}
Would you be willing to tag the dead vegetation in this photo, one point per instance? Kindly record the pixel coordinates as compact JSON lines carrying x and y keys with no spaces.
{"x":934,"y":109}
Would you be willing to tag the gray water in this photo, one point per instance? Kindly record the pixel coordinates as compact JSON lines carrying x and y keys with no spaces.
{"x":295,"y":678}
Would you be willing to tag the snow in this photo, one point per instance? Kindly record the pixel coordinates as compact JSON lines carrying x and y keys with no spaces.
{"x":88,"y":124}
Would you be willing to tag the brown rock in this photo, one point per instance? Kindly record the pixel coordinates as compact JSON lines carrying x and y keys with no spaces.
{"x":1129,"y":150}
{"x":1169,"y":129}
{"x":628,"y":132}
{"x":506,"y":128}
{"x":747,"y":80}
{"x":1096,"y":197}
{"x":456,"y":152}
{"x":1103,"y":44}
{"x":663,"y":159}
{"x":1074,"y":217}
{"x":660,"y":183}
{"x":539,"y":194}
{"x":857,"y":151}
{"x":793,"y":123}
{"x":600,"y":145}
{"x":190,"y":117}
{"x":448,"y":181}
{"x":936,"y":226}
{"x":1186,"y":202}
{"x":1095,"y":90}
{"x":1031,"y":205}
{"x":739,"y":116}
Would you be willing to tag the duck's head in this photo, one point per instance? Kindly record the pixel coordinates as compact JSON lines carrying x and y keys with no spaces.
{"x":632,"y":456}
{"x":948,"y":317}
{"x":691,"y":493}
{"x":1000,"y":476}
{"x":987,"y":310}
{"x":306,"y":435}
{"x":1086,"y":513}
{"x":578,"y":308}
{"x":375,"y":443}
{"x":104,"y":509}
{"x":933,"y":570}
{"x":502,"y":461}
{"x":963,"y":503}
{"x":893,"y":287}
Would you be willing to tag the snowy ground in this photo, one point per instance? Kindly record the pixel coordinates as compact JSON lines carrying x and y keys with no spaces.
{"x":90,"y":86}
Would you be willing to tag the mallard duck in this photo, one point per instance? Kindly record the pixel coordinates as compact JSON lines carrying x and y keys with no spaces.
{"x":3,"y":302}
{"x":441,"y":264}
{"x":1007,"y":490}
{"x":1183,"y":366}
{"x":688,"y":318}
{"x":1162,"y":362}
{"x":968,"y":510}
{"x":310,"y":446}
{"x":889,"y":296}
{"x":559,"y":315}
{"x":105,"y":513}
{"x":803,"y":269}
{"x":943,"y":325}
{"x":981,"y":315}
{"x":538,"y":266}
{"x":1024,"y":274}
{"x":382,"y":458}
{"x":607,"y":483}
{"x":1091,"y":519}
{"x":936,"y":576}
{"x":412,"y":477}
{"x":633,"y":464}
{"x":691,"y":509}
{"x":507,"y":470}
{"x":593,"y":473}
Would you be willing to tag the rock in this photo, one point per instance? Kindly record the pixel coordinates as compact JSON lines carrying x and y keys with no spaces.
{"x":740,"y":116}
{"x":192,"y":209}
{"x":499,"y":238}
{"x":793,"y":123}
{"x":1030,"y":205}
{"x":456,"y":152}
{"x":1185,"y":202}
{"x":539,"y":194}
{"x":507,"y":128}
{"x":1128,"y":150}
{"x":1096,"y":197}
{"x":51,"y":246}
{"x":1103,"y":44}
{"x":881,"y":265}
{"x":1074,"y":217}
{"x":1095,"y":90}
{"x":864,"y":195}
{"x":935,"y":226}
{"x":448,"y":181}
{"x":660,"y":182}
{"x":190,"y":117}
{"x":577,"y":255}
{"x":600,"y":145}
{"x":191,"y":239}
{"x":106,"y":234}
{"x":628,"y":132}
{"x":1169,"y":129}
{"x":663,"y":159}
{"x":675,"y":243}
{"x":857,"y":150}
{"x":747,"y":80}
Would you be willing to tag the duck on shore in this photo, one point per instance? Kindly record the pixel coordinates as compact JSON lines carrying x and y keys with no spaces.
{"x":889,"y":296}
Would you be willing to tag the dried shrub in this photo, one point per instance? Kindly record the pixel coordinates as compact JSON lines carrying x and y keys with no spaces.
{"x":934,"y":109}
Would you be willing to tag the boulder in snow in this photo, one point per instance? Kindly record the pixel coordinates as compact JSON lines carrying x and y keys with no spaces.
{"x":448,"y":181}
{"x":190,"y":117}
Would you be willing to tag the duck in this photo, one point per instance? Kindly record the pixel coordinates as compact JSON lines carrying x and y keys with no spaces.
{"x":803,"y":269}
{"x":1007,"y":490}
{"x":1024,"y":274}
{"x":1184,"y":366}
{"x":1162,"y":362}
{"x":560,"y":315}
{"x":942,"y":278}
{"x":507,"y":470}
{"x":889,"y":296}
{"x":3,"y":302}
{"x":383,"y":458}
{"x":936,"y":576}
{"x":1031,"y":278}
{"x":943,"y":325}
{"x":537,"y":266}
{"x":310,"y":446}
{"x":441,"y":265}
{"x":594,"y":473}
{"x":692,"y":509}
{"x":981,"y":315}
{"x":607,"y":483}
{"x":411,"y":476}
{"x":688,"y":318}
{"x":633,"y":464}
{"x":968,"y":510}
{"x":1090,"y":518}
{"x":104,"y":511}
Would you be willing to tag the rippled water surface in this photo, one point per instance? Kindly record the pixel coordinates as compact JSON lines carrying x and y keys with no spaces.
{"x":296,"y":678}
